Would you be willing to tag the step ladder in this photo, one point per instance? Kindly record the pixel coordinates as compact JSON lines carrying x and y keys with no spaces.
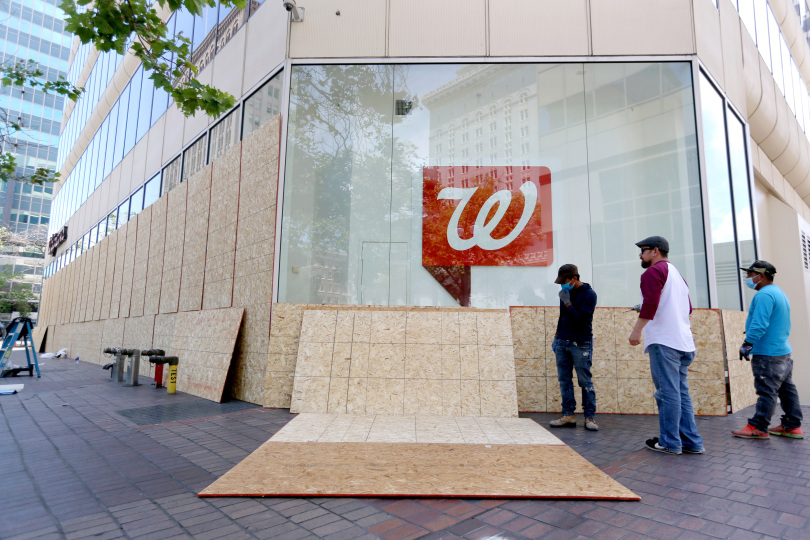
{"x":18,"y":329}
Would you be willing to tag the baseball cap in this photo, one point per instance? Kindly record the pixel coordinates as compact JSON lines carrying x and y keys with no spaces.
{"x":566,"y":271}
{"x":655,"y":242}
{"x":760,"y":267}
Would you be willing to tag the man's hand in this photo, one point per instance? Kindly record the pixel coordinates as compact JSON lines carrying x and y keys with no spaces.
{"x":565,"y":296}
{"x":635,"y":337}
{"x":745,"y":350}
{"x":554,"y":345}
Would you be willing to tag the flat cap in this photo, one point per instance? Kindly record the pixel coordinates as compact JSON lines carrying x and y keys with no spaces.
{"x":760,"y":267}
{"x":655,"y":242}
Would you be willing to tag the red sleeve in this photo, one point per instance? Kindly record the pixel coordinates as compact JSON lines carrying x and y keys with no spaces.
{"x":652,"y":283}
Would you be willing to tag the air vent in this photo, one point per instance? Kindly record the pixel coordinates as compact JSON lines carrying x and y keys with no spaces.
{"x":403,"y":107}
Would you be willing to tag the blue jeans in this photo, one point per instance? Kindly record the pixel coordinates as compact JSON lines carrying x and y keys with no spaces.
{"x":676,"y":418}
{"x":773,"y":376}
{"x":575,"y":355}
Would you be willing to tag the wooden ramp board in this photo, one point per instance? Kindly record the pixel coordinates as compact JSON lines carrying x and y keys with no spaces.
{"x":379,"y":428}
{"x":416,"y":470}
{"x":329,"y":454}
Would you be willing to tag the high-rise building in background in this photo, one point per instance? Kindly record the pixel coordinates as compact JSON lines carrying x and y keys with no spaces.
{"x":30,"y":30}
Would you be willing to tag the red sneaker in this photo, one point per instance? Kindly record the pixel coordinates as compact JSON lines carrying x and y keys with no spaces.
{"x":750,"y":432}
{"x":794,"y":433}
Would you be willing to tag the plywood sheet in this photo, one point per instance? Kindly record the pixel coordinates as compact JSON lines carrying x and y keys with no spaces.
{"x":174,"y":248}
{"x":129,"y":267}
{"x":740,"y":376}
{"x":39,"y":337}
{"x":405,"y":362}
{"x":196,"y":240}
{"x":332,"y":427}
{"x":141,"y":263}
{"x":204,"y":342}
{"x":154,"y":272}
{"x":416,"y":470}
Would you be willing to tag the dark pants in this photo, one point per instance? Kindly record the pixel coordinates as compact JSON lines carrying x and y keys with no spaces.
{"x":575,"y":355}
{"x":773,"y":377}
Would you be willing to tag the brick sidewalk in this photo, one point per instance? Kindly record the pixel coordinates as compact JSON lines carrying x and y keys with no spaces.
{"x":72,"y":467}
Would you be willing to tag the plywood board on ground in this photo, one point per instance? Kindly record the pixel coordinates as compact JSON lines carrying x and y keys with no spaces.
{"x":332,"y":427}
{"x":416,"y":470}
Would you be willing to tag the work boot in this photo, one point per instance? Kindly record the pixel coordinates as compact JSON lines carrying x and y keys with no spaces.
{"x":564,"y":421}
{"x":590,"y":424}
{"x":750,"y":432}
{"x":780,"y":431}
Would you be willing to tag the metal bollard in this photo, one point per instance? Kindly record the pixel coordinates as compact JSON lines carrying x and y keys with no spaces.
{"x":158,"y":365}
{"x":171,"y":387}
{"x":133,"y":366}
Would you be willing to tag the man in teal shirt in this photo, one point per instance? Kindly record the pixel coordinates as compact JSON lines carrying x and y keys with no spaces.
{"x":766,"y":340}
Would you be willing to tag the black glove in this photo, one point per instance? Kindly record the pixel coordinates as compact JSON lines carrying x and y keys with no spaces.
{"x":565,"y":296}
{"x":745,"y":350}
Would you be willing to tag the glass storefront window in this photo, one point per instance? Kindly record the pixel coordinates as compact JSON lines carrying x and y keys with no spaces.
{"x":264,"y":104}
{"x":224,"y":135}
{"x":171,"y":174}
{"x":597,"y":156}
{"x":740,"y":188}
{"x":151,"y":191}
{"x":721,"y":210}
{"x":194,"y":158}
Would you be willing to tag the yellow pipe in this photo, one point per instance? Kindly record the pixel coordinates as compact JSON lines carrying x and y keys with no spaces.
{"x":172,"y":386}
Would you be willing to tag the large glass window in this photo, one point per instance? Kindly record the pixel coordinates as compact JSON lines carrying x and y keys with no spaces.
{"x":171,"y":174}
{"x":194,"y":158}
{"x":223,"y":135}
{"x":601,"y":155}
{"x":721,"y":210}
{"x":740,"y":188}
{"x":151,"y":191}
{"x":264,"y":104}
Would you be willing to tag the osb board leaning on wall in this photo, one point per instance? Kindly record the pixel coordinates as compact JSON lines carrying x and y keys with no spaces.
{"x":740,"y":377}
{"x":621,"y":372}
{"x":405,"y":362}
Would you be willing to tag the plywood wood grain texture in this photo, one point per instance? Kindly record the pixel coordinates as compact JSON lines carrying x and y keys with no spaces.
{"x":334,"y":427}
{"x":740,"y":376}
{"x":92,"y":283}
{"x":102,"y":246}
{"x":196,"y":240}
{"x":138,"y":332}
{"x":417,"y":470}
{"x":405,"y":362}
{"x":109,"y":273}
{"x":157,"y":241}
{"x":174,"y":248}
{"x":121,"y":241}
{"x":141,"y":263}
{"x":38,"y":337}
{"x":253,"y":262}
{"x":223,"y":214}
{"x":129,"y":267}
{"x":204,"y":342}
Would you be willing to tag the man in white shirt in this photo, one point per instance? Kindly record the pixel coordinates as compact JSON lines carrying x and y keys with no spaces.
{"x":664,"y":320}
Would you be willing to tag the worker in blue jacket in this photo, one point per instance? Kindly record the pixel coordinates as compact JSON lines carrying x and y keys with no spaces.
{"x":766,"y":341}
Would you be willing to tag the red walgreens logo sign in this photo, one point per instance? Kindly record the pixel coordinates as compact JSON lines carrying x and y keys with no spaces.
{"x":487,"y":216}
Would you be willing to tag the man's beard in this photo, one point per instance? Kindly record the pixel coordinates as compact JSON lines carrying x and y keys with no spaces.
{"x":646,"y":264}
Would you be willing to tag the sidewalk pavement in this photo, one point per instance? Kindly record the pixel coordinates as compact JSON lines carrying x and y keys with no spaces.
{"x":73,"y":465}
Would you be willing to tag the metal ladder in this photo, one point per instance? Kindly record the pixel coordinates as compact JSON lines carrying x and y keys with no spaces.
{"x":19,"y":328}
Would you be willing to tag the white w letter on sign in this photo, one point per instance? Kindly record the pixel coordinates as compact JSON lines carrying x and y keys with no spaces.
{"x":482,"y":232}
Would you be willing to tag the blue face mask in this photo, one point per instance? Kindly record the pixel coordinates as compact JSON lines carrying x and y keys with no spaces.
{"x":749,"y":282}
{"x":567,"y":286}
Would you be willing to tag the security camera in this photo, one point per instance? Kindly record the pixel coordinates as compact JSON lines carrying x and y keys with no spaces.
{"x":296,"y":13}
{"x":289,"y":5}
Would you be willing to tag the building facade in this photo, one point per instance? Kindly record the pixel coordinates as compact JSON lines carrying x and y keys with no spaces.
{"x":30,"y":31}
{"x":425,"y":155}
